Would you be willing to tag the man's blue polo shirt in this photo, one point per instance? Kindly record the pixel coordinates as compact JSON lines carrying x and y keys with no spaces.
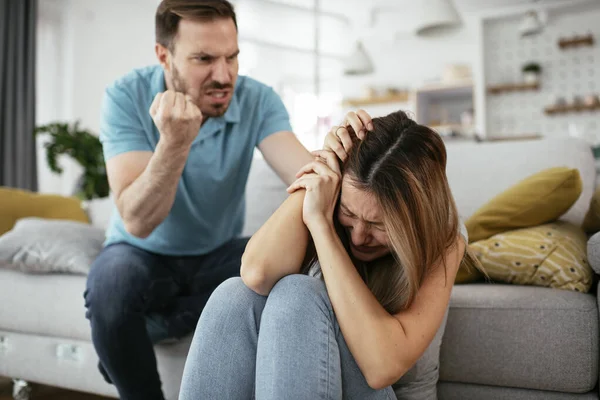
{"x":209,"y":205}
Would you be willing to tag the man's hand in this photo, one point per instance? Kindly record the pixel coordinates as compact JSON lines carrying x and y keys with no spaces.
{"x":177,"y":118}
{"x":340,"y":138}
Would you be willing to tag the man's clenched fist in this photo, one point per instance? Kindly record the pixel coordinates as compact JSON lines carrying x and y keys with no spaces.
{"x":177,"y":118}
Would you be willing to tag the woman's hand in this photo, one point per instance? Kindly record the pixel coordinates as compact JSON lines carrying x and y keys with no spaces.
{"x":321,"y":179}
{"x":340,"y":138}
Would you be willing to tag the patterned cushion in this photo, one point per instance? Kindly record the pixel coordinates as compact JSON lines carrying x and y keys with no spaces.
{"x":550,"y":255}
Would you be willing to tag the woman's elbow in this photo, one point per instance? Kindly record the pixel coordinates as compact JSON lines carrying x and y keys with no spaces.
{"x":254,"y":277}
{"x":378,"y":382}
{"x":385,"y":376}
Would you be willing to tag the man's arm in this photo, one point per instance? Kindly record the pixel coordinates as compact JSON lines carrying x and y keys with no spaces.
{"x":285,"y":154}
{"x":145,"y":183}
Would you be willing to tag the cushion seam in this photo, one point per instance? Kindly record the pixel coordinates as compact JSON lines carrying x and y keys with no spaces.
{"x":580,"y":310}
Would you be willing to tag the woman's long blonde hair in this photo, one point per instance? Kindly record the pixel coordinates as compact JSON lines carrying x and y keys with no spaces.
{"x":403,"y":164}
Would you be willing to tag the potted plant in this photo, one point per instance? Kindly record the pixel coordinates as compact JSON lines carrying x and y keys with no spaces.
{"x":531,"y":72}
{"x":85,"y":148}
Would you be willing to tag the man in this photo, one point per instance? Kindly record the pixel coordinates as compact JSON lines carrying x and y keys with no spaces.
{"x":178,"y":141}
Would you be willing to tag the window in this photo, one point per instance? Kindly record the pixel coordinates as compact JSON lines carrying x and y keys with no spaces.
{"x":277,"y":47}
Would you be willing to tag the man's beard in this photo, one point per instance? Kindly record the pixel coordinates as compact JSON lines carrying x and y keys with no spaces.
{"x":179,"y":84}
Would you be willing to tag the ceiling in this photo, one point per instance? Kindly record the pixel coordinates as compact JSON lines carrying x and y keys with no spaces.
{"x":491,"y":5}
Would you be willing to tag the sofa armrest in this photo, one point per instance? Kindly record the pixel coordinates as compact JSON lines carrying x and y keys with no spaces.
{"x":593,"y":252}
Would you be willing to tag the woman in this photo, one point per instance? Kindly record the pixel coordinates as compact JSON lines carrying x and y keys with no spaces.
{"x":374,"y":216}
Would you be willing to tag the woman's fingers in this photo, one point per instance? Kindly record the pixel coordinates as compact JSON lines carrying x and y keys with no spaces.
{"x":304,"y":170}
{"x":315,"y":167}
{"x":365,"y":118}
{"x":330,"y":159}
{"x":333,"y":143}
{"x":305,"y":182}
{"x":354,"y":121}
{"x":341,"y":132}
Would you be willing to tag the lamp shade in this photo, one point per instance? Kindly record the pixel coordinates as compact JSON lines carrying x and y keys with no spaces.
{"x":431,"y":15}
{"x":531,"y":24}
{"x":359,"y":62}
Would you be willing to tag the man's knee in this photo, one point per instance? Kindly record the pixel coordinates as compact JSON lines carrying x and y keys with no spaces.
{"x":115,"y":282}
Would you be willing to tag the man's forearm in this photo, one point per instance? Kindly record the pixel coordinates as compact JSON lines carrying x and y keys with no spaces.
{"x":147,"y":201}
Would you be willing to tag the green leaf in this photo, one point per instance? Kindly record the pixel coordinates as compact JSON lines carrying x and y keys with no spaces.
{"x":82,"y":146}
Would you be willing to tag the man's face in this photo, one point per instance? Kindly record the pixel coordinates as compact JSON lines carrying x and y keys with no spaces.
{"x":203,"y":63}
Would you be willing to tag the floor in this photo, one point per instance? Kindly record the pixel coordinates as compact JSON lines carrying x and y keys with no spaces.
{"x":40,"y":392}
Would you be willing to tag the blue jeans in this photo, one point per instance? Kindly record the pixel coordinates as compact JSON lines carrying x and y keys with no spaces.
{"x":284,"y":346}
{"x":135,"y":298}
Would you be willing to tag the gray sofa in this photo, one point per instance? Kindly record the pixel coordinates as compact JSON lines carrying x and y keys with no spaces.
{"x":500,"y":341}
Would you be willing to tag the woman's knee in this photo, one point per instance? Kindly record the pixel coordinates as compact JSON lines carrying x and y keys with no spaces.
{"x":299,"y":286}
{"x":300,"y":294}
{"x":232,"y":295}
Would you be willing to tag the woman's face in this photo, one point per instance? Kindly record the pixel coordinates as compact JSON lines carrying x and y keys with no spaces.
{"x":360,"y":214}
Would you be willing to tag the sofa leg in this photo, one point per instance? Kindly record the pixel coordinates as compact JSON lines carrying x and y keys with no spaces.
{"x":21,"y":390}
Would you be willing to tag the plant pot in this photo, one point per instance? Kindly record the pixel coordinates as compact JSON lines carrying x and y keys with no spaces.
{"x":531,"y":78}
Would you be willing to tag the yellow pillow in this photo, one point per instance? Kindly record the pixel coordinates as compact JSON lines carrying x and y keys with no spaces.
{"x":538,"y":199}
{"x":591,"y":222}
{"x":465,"y":275}
{"x":551,"y":255}
{"x":16,"y":204}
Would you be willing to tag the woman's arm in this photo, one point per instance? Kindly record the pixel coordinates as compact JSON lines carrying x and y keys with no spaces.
{"x":278,"y":248}
{"x":384,"y":346}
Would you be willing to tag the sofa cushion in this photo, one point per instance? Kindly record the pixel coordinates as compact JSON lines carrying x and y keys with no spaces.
{"x":479,"y":171}
{"x":462,"y":391}
{"x":591,"y":222}
{"x":38,"y":245}
{"x":550,"y":255}
{"x":48,"y":305}
{"x":593,"y":251}
{"x":99,"y":211}
{"x":16,"y":204}
{"x":265,"y":192}
{"x":536,"y":200}
{"x":522,"y":337}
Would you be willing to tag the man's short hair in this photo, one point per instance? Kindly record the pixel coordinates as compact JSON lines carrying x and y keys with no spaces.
{"x":170,"y":12}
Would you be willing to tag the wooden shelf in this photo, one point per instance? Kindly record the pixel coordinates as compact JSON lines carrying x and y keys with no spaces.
{"x":571,"y":108}
{"x":521,"y":136}
{"x":512,"y":87}
{"x":456,"y":88}
{"x":576,"y":41}
{"x":393,"y":98}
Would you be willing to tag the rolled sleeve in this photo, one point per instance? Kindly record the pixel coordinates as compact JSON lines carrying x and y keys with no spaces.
{"x":121,"y":130}
{"x":275,"y":116}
